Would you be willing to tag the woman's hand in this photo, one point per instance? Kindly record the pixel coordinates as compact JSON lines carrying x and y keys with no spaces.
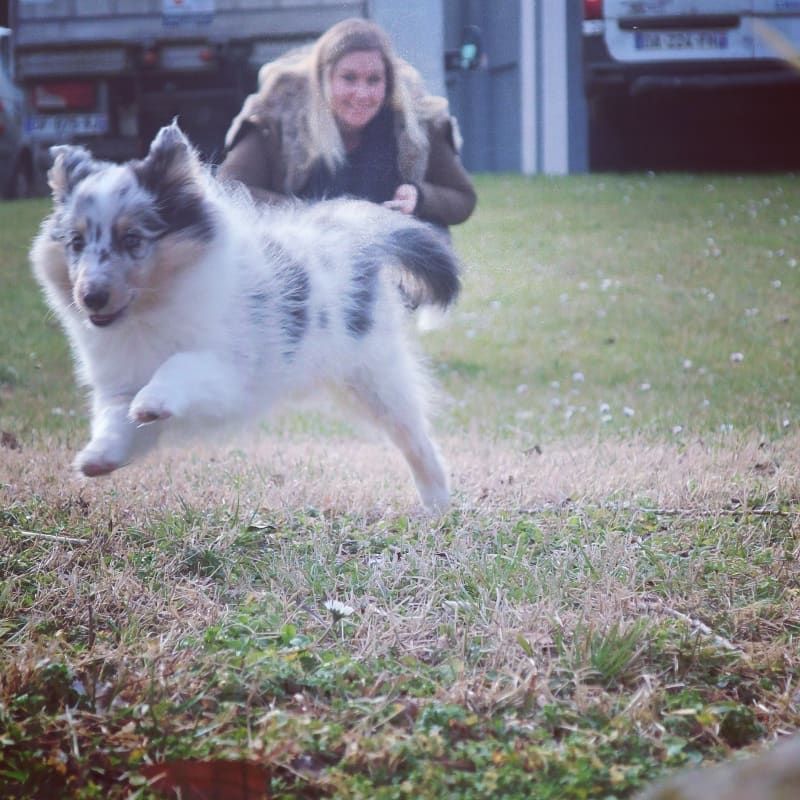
{"x":405,"y":199}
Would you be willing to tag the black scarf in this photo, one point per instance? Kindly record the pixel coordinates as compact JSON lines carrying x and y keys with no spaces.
{"x":369,"y":172}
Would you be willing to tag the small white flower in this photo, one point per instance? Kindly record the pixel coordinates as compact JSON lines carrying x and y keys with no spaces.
{"x":726,"y":427}
{"x":786,"y":423}
{"x":644,"y":387}
{"x":737,"y":357}
{"x":628,"y":411}
{"x":604,"y":408}
{"x":750,"y":312}
{"x":578,"y":377}
{"x":776,"y":284}
{"x":792,"y":262}
{"x":522,"y":388}
{"x":676,"y":429}
{"x":687,"y":363}
{"x":606,"y":418}
{"x":338,"y":609}
{"x":555,"y":402}
{"x":555,"y":384}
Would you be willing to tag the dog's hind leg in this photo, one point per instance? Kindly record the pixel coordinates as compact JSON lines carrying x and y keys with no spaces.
{"x":393,"y":403}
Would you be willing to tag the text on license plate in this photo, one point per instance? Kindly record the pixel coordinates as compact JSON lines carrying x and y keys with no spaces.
{"x":61,"y":127}
{"x":681,"y":40}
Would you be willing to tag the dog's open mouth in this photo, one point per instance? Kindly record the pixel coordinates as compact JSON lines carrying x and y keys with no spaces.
{"x":102,"y":320}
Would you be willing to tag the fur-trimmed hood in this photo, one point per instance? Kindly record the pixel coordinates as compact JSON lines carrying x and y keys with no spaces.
{"x":283,"y":104}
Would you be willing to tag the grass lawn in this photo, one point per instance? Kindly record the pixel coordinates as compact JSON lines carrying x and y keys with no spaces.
{"x":614,"y":595}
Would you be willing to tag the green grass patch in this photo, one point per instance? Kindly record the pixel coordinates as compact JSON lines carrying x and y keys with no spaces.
{"x":615,"y":594}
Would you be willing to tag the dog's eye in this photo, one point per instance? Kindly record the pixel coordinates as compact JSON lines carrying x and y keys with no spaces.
{"x":132,"y":242}
{"x":76,"y":242}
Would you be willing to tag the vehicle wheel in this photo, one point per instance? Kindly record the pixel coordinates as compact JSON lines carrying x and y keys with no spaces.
{"x":608,"y":145}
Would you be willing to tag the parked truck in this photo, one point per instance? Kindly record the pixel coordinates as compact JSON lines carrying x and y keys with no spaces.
{"x":110,"y":73}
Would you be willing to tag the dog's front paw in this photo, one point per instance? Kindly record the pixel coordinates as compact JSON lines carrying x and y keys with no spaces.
{"x":94,"y":462}
{"x":148,"y":407}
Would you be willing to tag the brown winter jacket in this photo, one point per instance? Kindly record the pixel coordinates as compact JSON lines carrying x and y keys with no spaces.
{"x":266,"y":152}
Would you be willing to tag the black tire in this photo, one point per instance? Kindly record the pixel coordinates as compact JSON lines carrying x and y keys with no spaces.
{"x":608,"y":134}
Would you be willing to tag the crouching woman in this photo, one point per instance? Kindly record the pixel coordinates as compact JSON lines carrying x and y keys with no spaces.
{"x":347,"y":117}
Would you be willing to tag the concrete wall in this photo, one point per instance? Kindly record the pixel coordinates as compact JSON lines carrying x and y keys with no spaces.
{"x":417,"y":31}
{"x":525,"y":109}
{"x":553,"y":136}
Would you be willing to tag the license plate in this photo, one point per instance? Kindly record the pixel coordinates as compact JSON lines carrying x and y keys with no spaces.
{"x":62,"y":127}
{"x":670,"y":41}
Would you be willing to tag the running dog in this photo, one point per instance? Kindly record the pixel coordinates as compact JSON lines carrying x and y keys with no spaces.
{"x":184,"y":302}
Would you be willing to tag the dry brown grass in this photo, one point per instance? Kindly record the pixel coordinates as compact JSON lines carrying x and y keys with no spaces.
{"x":527,"y":592}
{"x":412,"y":603}
{"x":361,"y":476}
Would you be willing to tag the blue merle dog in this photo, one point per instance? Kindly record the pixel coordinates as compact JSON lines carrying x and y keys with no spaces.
{"x":184,"y":302}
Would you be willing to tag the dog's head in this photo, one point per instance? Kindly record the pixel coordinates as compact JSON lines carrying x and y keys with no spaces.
{"x":119,"y":233}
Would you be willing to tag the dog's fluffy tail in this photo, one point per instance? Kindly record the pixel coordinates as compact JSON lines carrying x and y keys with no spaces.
{"x":431,"y":268}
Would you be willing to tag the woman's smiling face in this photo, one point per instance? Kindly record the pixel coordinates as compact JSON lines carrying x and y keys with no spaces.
{"x":358,"y":88}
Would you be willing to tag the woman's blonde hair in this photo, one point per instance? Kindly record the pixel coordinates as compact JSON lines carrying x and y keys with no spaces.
{"x":405,"y":90}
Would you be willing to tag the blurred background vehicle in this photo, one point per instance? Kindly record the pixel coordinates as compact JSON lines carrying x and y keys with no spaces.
{"x":695,"y":84}
{"x":109,"y":75}
{"x":16,"y":163}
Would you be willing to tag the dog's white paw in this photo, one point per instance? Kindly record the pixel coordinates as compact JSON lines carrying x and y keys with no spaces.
{"x":147,"y":407}
{"x":436,"y":499}
{"x":93,"y":461}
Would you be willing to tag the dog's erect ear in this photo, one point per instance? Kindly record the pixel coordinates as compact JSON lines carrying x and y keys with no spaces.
{"x":71,"y":164}
{"x":171,"y":160}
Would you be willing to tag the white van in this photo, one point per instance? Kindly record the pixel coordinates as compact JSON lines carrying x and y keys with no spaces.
{"x":637,"y":46}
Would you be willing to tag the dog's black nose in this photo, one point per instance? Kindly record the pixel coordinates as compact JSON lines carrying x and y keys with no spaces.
{"x":96,"y":299}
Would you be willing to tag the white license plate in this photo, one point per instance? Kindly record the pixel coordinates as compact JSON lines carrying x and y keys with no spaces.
{"x":62,"y":127}
{"x":670,"y":41}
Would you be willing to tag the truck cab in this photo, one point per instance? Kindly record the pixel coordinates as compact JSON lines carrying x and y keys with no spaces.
{"x":110,"y":74}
